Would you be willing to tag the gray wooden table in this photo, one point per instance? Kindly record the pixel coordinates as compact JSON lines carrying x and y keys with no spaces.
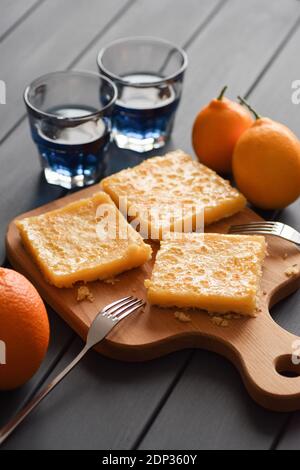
{"x":190,"y":399}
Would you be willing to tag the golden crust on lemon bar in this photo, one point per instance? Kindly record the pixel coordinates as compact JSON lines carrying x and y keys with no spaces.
{"x":164,"y":193}
{"x":214,"y":272}
{"x":84,"y":241}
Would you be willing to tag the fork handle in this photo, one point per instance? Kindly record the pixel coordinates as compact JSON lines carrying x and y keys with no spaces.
{"x":24,"y":412}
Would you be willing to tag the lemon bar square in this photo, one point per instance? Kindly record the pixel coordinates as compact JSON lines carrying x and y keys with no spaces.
{"x":169,"y":193}
{"x":213,"y":272}
{"x":86,"y":240}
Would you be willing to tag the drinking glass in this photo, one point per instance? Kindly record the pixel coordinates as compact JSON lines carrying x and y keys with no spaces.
{"x":70,"y":119}
{"x":148,"y":73}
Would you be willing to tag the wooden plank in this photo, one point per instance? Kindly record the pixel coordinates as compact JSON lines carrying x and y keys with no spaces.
{"x":13,"y":199}
{"x":235,"y":63}
{"x":289,"y":440}
{"x":227,"y":421}
{"x":48,"y":40}
{"x":102,"y":404}
{"x":64,"y":42}
{"x":269,"y":27}
{"x":161,"y":19}
{"x":61,"y":335}
{"x":37,"y":190}
{"x":232,"y":54}
{"x":214,"y":61}
{"x":210,"y":409}
{"x":13,"y":13}
{"x":272,"y":97}
{"x":31,"y":192}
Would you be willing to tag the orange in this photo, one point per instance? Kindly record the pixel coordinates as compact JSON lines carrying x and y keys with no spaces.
{"x":266,"y":164}
{"x":216,"y":130}
{"x":24,"y":329}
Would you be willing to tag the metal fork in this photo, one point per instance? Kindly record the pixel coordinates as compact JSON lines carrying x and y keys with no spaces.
{"x":104,"y":322}
{"x":268,"y":228}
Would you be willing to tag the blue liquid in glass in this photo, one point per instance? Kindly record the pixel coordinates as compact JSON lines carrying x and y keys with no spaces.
{"x":143,"y":117}
{"x":72,"y":156}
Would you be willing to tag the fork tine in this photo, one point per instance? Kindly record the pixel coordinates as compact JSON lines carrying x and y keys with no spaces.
{"x":240,"y":229}
{"x":140,"y":304}
{"x":251,"y":229}
{"x":115,"y":303}
{"x":121,"y":309}
{"x":257,"y":224}
{"x":113,"y":309}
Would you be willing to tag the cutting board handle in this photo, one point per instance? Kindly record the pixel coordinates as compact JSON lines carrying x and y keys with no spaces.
{"x":271,"y":369}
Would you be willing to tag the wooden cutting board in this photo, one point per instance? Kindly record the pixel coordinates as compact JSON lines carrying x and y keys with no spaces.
{"x":259,"y":348}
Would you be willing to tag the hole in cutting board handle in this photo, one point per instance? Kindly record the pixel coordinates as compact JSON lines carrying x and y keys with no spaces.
{"x":286,"y":368}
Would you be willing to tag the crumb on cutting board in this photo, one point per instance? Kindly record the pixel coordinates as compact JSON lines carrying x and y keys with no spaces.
{"x":292,"y":271}
{"x":220,"y":321}
{"x":231,"y":316}
{"x":183,"y":317}
{"x":84,"y":293}
{"x":112,"y":280}
{"x":223,"y":320}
